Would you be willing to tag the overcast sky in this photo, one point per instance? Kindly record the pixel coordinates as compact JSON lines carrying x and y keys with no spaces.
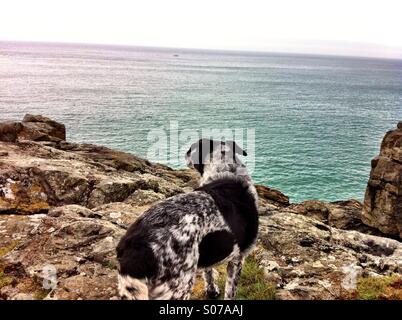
{"x":347,"y":27}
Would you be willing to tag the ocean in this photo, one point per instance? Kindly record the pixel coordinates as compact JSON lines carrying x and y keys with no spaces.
{"x":317,"y":120}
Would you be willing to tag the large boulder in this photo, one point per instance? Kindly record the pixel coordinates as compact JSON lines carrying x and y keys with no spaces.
{"x":42,"y":128}
{"x":33,"y":127}
{"x":383,"y":198}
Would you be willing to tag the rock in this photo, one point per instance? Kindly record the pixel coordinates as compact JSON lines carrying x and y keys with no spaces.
{"x":23,"y":296}
{"x":346,"y":215}
{"x":21,"y":192}
{"x":144,"y":197}
{"x":383,"y":198}
{"x":64,"y":187}
{"x":9,"y":131}
{"x":35,"y":177}
{"x":79,"y":252}
{"x":314,"y":209}
{"x":72,"y":210}
{"x":311,"y":260}
{"x":47,"y":127}
{"x":272,"y":195}
{"x":83,"y":287}
{"x":15,"y":229}
{"x":111,"y":191}
{"x":119,"y":213}
{"x":36,"y":128}
{"x":340,"y":214}
{"x":270,"y":200}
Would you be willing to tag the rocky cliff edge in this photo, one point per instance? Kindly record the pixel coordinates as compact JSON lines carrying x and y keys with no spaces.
{"x":64,"y":207}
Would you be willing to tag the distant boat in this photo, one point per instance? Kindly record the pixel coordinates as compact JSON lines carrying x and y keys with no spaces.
{"x":175,"y":55}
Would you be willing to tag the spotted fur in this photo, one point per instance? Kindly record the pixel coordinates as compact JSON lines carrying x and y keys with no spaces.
{"x":161,"y":252}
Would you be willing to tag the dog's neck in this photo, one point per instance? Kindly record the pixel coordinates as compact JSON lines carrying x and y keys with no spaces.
{"x":213,"y":172}
{"x":239,"y":172}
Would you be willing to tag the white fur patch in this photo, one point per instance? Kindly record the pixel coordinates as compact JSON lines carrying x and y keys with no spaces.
{"x":132,"y":289}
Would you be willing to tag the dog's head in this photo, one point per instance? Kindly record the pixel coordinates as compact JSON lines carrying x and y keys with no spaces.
{"x":212,"y":152}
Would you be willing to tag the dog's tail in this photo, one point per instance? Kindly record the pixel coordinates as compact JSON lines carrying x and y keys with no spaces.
{"x":132,"y":288}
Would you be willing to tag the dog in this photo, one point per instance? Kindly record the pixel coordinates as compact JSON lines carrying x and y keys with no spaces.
{"x":218,"y":222}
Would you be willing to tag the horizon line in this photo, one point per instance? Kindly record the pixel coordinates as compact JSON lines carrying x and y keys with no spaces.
{"x":257,"y":51}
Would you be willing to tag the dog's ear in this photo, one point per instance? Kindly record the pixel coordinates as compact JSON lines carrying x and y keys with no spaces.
{"x":202,"y":148}
{"x":194,"y":146}
{"x":198,"y":146}
{"x":235,"y":147}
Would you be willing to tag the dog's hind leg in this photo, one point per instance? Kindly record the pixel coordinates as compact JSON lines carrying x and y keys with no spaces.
{"x":183,"y":286}
{"x":211,"y":288}
{"x":233,"y":276}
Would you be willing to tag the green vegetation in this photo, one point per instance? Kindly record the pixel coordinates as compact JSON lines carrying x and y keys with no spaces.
{"x":252,"y":286}
{"x":109,"y":264}
{"x":40,"y":294}
{"x":8,"y":248}
{"x":5,"y":280}
{"x":384,"y":288}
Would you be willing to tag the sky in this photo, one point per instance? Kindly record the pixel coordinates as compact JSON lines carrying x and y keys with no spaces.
{"x":370,"y":28}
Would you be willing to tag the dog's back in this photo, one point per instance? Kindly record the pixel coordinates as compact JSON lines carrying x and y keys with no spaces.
{"x":236,"y":202}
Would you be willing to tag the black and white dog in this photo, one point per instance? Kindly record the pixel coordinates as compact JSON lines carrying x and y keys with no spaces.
{"x":162,"y":250}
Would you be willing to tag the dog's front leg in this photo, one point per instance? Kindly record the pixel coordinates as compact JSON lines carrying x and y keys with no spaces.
{"x":211,"y":288}
{"x":233,"y":275}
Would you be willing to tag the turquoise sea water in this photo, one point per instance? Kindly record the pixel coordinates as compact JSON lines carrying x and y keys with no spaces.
{"x":318,"y":120}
